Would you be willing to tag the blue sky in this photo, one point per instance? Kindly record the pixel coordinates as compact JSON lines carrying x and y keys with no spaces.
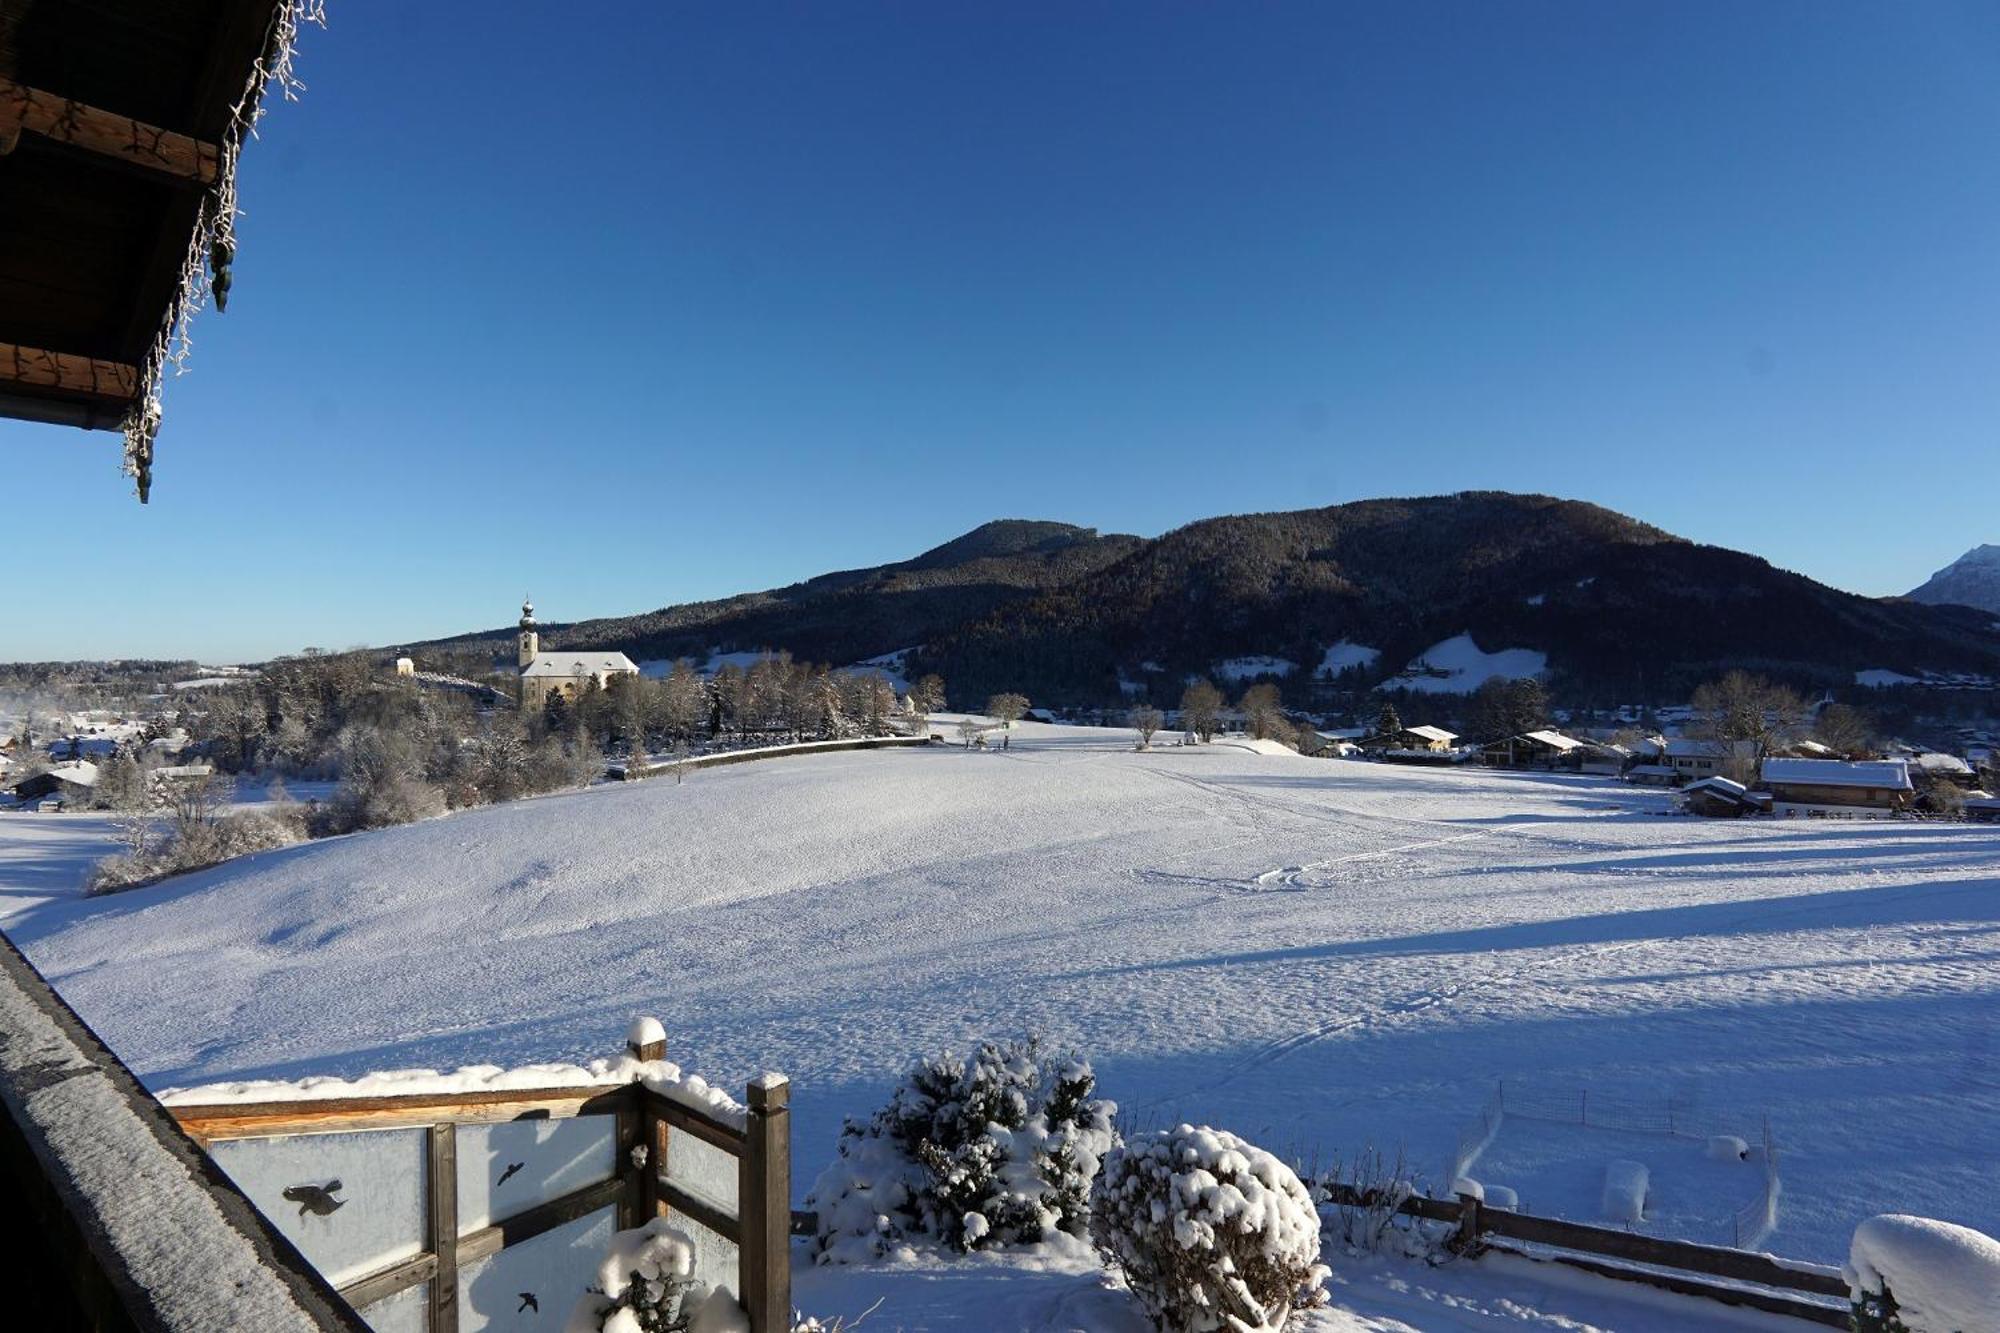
{"x":693,"y":299}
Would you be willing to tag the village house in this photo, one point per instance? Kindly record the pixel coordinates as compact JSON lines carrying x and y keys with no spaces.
{"x":1411,"y":740}
{"x":65,"y":783}
{"x":1720,"y":798}
{"x":565,"y":673}
{"x":1533,"y":749}
{"x":1842,"y":786}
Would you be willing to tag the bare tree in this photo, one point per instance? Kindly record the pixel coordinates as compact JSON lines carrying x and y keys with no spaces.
{"x":1263,"y":710}
{"x":1145,"y":719}
{"x":1201,"y":710}
{"x":1008,"y":708}
{"x":1845,"y":730}
{"x":1746,"y":717}
{"x":928,"y":693}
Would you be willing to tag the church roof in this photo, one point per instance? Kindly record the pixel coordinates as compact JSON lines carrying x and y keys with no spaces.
{"x":565,"y":665}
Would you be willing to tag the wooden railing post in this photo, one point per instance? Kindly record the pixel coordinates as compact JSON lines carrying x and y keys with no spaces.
{"x":764,"y":1205}
{"x":647,"y":1040}
{"x":441,"y":1225}
{"x":1466,"y":1240}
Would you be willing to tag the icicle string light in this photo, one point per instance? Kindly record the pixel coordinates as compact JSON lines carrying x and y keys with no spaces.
{"x":205,"y":269}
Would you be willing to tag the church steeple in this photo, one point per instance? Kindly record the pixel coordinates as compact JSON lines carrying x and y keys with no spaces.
{"x":530,"y":641}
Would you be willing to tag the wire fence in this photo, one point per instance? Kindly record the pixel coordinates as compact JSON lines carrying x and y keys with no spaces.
{"x":1669,"y":1116}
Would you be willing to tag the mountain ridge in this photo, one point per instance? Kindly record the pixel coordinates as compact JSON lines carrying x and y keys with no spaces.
{"x":1971,"y":580}
{"x":1621,"y":609}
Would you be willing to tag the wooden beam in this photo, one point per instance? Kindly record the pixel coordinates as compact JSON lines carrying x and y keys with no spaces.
{"x":726,"y":1137}
{"x":386,"y":1282}
{"x":67,"y":371}
{"x":764,"y":1203}
{"x":1795,"y":1307}
{"x":532,"y":1222}
{"x":441,"y":1217}
{"x":105,"y":133}
{"x":698,"y":1209}
{"x":250,"y":1120}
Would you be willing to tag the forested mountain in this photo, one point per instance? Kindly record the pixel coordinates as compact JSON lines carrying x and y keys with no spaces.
{"x":1622,"y":610}
{"x":853,"y":614}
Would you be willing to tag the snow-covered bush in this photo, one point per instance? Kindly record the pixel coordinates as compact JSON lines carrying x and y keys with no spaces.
{"x":645,"y":1284}
{"x":997,"y":1150}
{"x":1917,"y":1275}
{"x":1212,"y":1233}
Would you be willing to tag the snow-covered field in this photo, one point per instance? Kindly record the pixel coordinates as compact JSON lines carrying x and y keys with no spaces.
{"x":1319,"y":955}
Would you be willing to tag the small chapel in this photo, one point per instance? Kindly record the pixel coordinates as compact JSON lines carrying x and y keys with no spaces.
{"x":543,"y":674}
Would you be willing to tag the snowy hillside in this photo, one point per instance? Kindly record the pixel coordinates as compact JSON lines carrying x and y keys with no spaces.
{"x":1971,"y":580}
{"x":1317,"y":954}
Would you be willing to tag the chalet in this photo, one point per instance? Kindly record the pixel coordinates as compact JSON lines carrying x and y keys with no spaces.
{"x":544,"y":674}
{"x":1533,"y":749}
{"x":64,"y":783}
{"x":1685,"y":759}
{"x":1720,"y":798}
{"x":1807,"y":784}
{"x":1411,"y":740}
{"x":1945,"y":768}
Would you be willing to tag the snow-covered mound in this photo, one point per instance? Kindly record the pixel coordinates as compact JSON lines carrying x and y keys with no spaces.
{"x":1460,"y":666}
{"x":1944,"y":1278}
{"x":1345,"y":656}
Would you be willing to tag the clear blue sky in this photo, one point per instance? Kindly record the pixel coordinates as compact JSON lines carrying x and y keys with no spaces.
{"x":630,"y":304}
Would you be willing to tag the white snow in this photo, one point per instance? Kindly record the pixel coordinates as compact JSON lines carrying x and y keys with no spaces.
{"x":1319,"y":956}
{"x":1345,"y":656}
{"x":1625,"y":1191}
{"x":1945,"y":1278}
{"x":1727,"y":1148}
{"x":661,"y":1076}
{"x":1460,"y":666}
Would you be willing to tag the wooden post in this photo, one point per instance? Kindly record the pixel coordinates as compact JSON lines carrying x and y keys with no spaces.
{"x":764,"y":1205}
{"x":441,"y":1212}
{"x":647,"y":1040}
{"x":632,"y":1199}
{"x":1466,"y":1240}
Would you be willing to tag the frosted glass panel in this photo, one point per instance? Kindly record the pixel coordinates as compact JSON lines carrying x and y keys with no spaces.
{"x":714,"y":1257}
{"x":533,"y":1286}
{"x":504,"y":1169}
{"x":701,"y":1168}
{"x":408,"y":1311}
{"x":352,"y":1203}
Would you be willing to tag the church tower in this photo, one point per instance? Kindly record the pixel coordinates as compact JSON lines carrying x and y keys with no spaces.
{"x":531,"y":642}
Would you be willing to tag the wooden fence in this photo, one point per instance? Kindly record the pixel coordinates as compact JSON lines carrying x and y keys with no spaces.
{"x":1812,"y":1292}
{"x":641,"y":1184}
{"x":722,"y":757}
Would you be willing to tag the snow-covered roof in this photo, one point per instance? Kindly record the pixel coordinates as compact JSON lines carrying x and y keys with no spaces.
{"x":1722,"y":786}
{"x":1432,"y":733}
{"x":82,"y":773}
{"x":1891,"y":773}
{"x":566,"y":665}
{"x":1943,"y":763}
{"x":1555,"y":740}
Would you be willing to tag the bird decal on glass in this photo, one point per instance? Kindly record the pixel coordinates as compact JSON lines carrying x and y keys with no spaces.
{"x":528,"y":1302}
{"x":316,"y":1199}
{"x":508,"y":1174}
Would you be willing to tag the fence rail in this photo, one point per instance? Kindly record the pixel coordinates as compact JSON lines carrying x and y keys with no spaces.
{"x":640,"y":1186}
{"x":1780,"y":1286}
